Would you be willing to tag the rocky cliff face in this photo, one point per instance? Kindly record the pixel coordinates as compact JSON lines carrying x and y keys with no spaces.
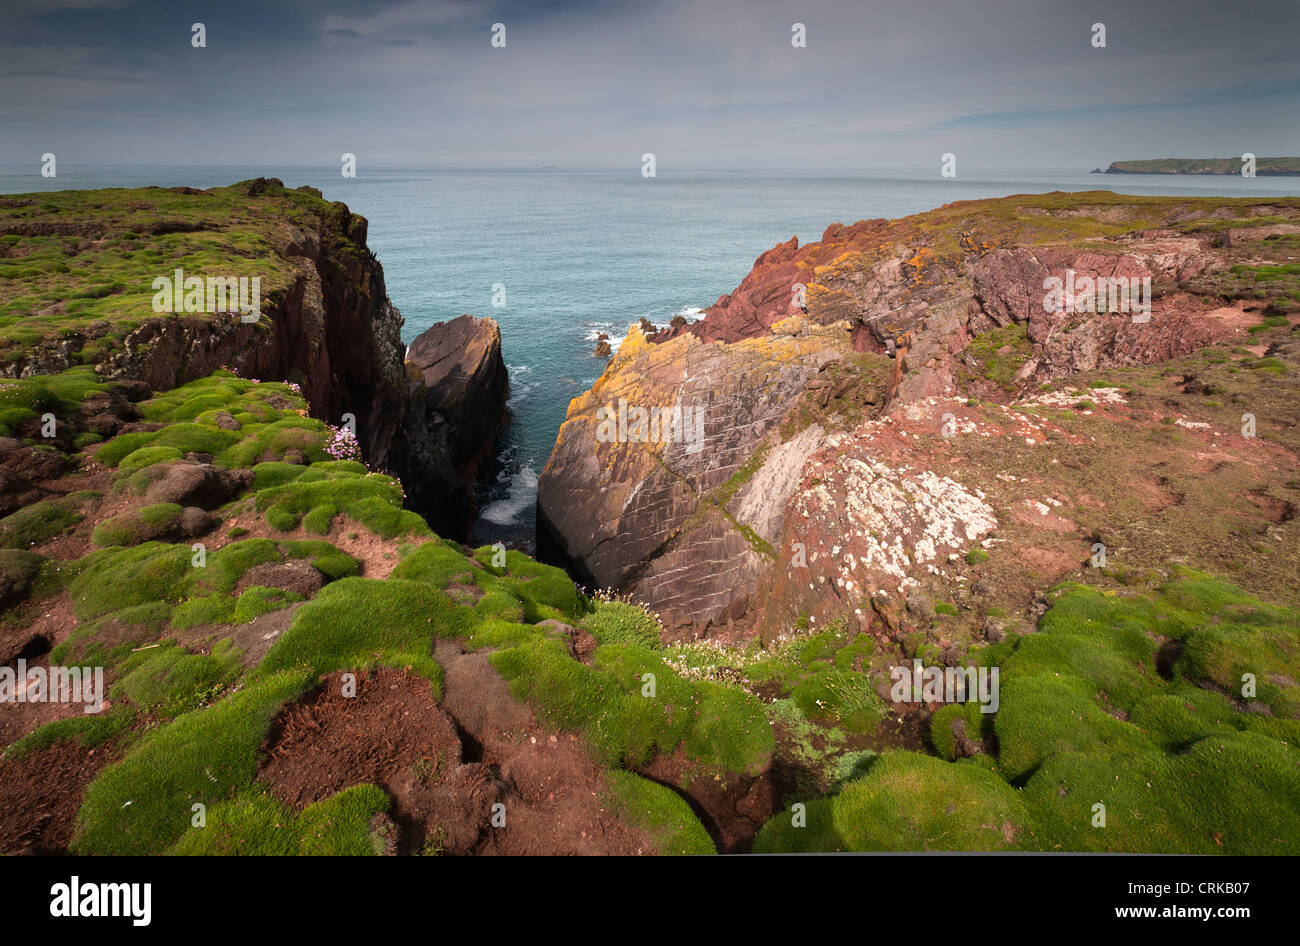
{"x":923,"y":407}
{"x":455,"y":407}
{"x":325,"y":321}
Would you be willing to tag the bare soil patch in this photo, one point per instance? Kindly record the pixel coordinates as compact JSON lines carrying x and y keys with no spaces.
{"x":443,"y":774}
{"x":41,"y":793}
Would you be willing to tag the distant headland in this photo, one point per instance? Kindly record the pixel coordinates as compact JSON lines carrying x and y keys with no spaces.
{"x":1264,"y":167}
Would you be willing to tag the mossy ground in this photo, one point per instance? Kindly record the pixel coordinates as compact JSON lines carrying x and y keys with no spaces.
{"x":190,"y":722}
{"x":1093,"y":711}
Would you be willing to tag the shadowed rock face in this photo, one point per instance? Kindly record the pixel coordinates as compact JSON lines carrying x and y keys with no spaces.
{"x":456,"y":406}
{"x":829,"y":483}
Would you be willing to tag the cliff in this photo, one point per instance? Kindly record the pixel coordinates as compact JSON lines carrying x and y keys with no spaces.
{"x":79,"y":290}
{"x":211,"y":548}
{"x":858,"y":449}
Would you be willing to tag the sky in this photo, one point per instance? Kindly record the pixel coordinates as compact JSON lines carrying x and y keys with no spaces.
{"x":699,"y":83}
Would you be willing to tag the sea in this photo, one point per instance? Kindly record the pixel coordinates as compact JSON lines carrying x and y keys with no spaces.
{"x":559,"y":256}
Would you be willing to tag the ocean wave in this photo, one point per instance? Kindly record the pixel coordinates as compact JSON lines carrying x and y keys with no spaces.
{"x":521,"y":495}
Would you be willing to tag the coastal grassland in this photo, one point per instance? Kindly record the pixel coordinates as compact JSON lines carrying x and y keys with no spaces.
{"x":1203,"y":166}
{"x":1130,"y":701}
{"x":623,"y":720}
{"x":26,"y":399}
{"x":142,"y":804}
{"x":355,"y":623}
{"x":975,"y":226}
{"x":264,"y":427}
{"x":80,"y":265}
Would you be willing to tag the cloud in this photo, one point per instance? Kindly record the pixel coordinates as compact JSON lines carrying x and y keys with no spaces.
{"x":582,"y":81}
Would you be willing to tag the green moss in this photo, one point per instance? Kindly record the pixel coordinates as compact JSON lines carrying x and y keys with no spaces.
{"x":338,"y":487}
{"x":659,"y":812}
{"x":275,"y":473}
{"x":253,"y":823}
{"x":816,"y":834}
{"x":109,"y":638}
{"x":1087,"y":719}
{"x":958,"y":719}
{"x":500,"y":605}
{"x":196,"y":438}
{"x":1226,"y":794}
{"x":138,"y":525}
{"x":169,"y":680}
{"x":913,"y":802}
{"x":546,"y":591}
{"x":123,"y":445}
{"x":18,"y":571}
{"x":92,"y":729}
{"x":142,"y":457}
{"x":274,"y":441}
{"x":328,"y":559}
{"x":114,"y":578}
{"x":714,"y":725}
{"x":37,"y":523}
{"x":204,"y":609}
{"x":142,"y":804}
{"x":357,"y":623}
{"x":438,"y":564}
{"x":258,"y":600}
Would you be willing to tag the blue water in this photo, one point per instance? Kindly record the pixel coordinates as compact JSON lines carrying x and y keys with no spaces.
{"x":585,"y":251}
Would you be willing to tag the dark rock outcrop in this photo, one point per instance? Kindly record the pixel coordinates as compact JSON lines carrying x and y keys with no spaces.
{"x":455,"y":407}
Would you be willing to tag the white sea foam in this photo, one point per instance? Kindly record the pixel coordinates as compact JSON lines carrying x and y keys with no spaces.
{"x":522,"y":496}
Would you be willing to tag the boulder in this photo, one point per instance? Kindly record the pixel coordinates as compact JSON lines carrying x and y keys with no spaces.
{"x":197,"y":484}
{"x":296,"y":575}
